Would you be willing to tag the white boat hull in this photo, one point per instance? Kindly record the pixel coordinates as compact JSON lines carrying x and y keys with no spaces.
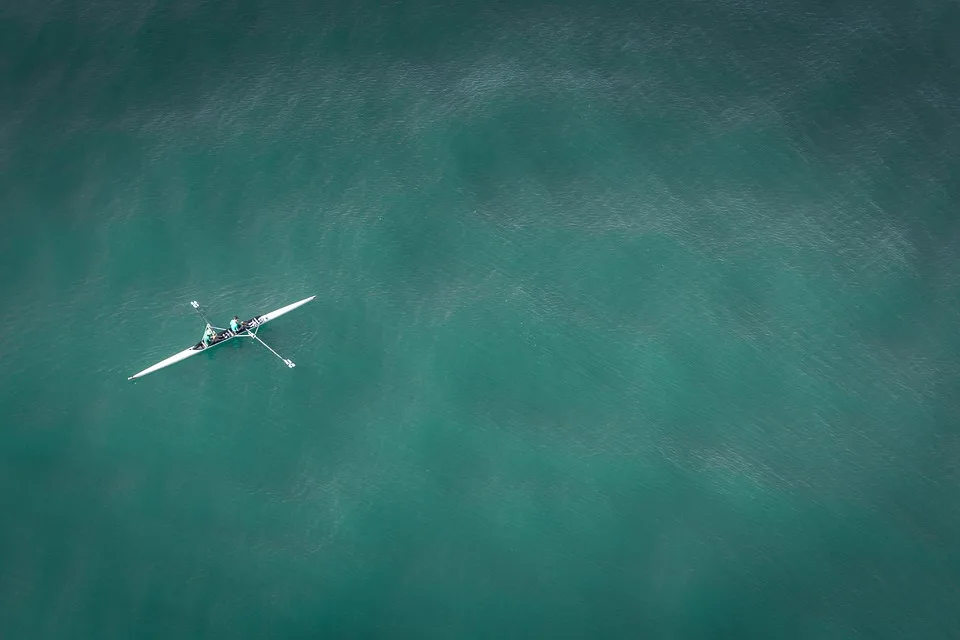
{"x":253,"y":323}
{"x":183,"y":355}
{"x":273,"y":315}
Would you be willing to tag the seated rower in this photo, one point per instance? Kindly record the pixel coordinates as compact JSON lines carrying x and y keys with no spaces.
{"x":208,"y":336}
{"x":235,"y":325}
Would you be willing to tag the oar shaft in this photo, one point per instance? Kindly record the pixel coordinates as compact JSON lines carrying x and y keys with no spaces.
{"x":196,"y":306}
{"x":286,"y":361}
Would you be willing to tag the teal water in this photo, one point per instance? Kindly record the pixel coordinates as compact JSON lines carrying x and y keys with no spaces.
{"x":631,"y":320}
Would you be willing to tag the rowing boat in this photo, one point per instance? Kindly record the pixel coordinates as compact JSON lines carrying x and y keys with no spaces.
{"x":248,"y":330}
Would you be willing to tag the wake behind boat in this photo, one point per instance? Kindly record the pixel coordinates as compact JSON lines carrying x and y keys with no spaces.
{"x":246,"y":329}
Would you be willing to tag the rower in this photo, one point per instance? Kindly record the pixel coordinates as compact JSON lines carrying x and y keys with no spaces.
{"x":208,"y":336}
{"x":235,"y":325}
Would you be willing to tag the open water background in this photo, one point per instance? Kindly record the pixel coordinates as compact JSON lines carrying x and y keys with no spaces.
{"x":634,"y":320}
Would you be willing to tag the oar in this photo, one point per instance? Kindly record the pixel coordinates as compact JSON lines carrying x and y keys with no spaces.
{"x":286,"y":361}
{"x":196,"y":305}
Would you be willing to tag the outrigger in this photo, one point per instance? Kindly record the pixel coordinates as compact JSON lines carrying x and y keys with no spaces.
{"x":248,"y":329}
